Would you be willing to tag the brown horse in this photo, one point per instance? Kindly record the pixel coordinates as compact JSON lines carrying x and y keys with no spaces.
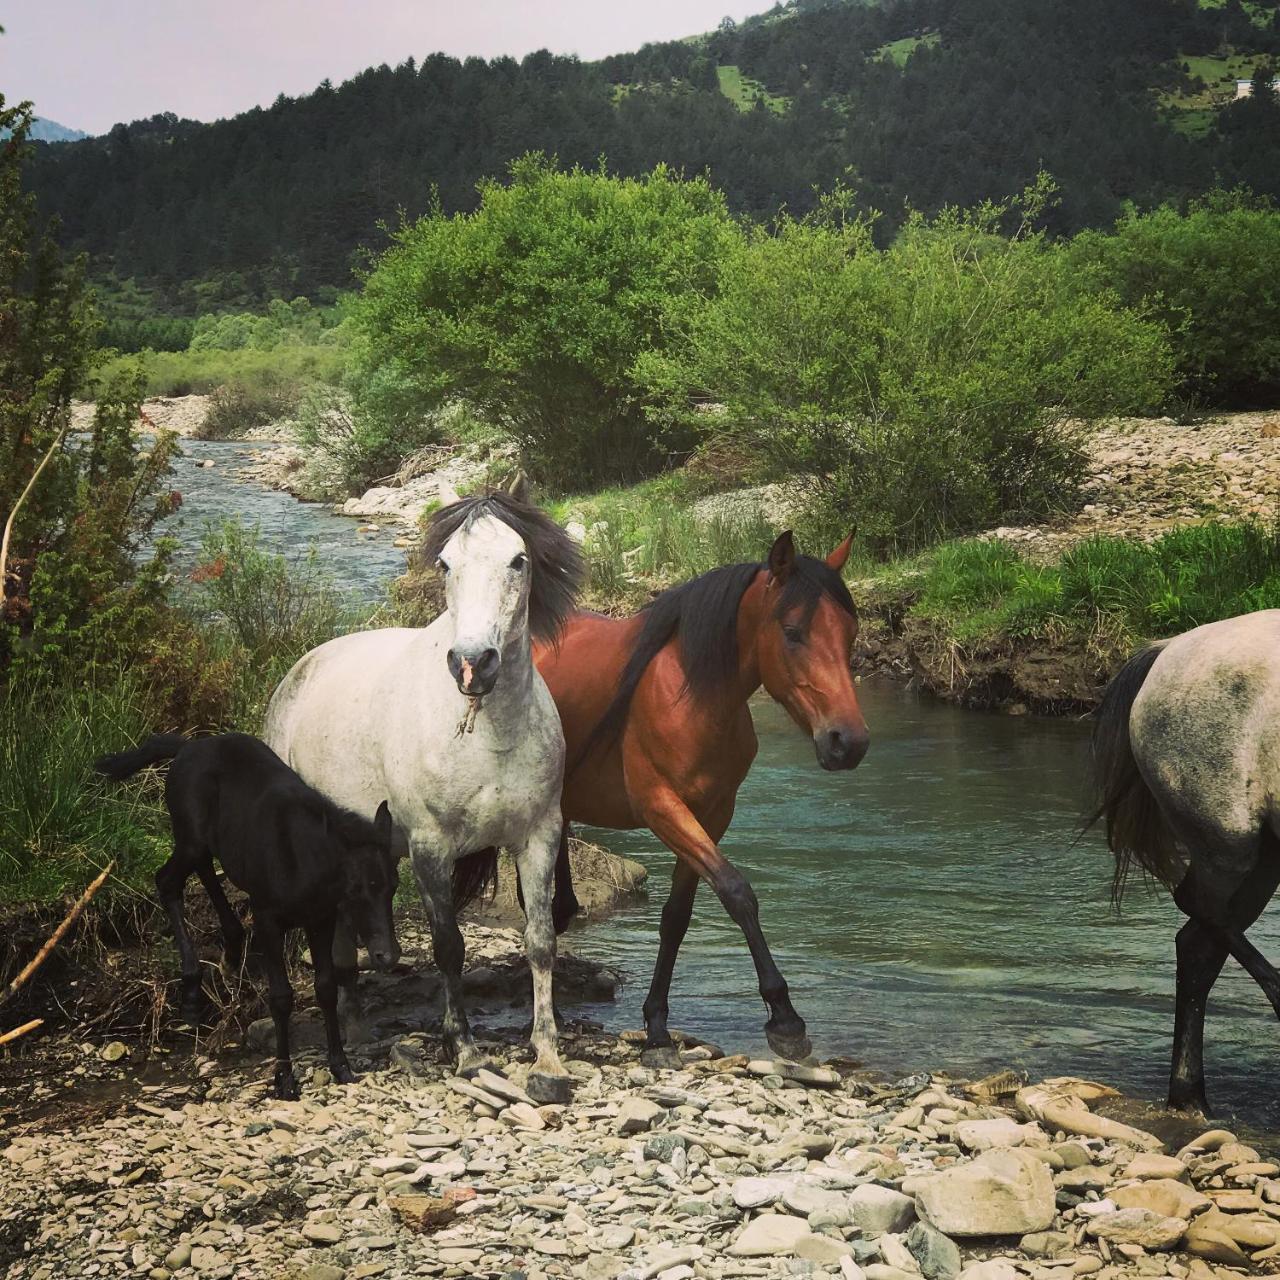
{"x":659,"y":735}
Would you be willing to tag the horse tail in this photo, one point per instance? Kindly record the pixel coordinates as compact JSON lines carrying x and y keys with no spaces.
{"x":124,"y":764}
{"x":474,"y":876}
{"x":1136,"y":830}
{"x":564,"y":902}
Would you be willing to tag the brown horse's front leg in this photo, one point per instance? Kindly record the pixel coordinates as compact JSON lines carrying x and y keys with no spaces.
{"x":671,"y":821}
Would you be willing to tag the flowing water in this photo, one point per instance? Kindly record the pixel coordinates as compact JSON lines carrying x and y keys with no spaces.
{"x":932,"y":908}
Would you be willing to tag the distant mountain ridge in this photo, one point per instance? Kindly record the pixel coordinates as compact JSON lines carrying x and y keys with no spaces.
{"x":43,"y":130}
{"x":913,"y":104}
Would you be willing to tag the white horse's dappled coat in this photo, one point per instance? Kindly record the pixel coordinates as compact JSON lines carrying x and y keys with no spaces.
{"x":380,"y":715}
{"x":1187,"y":750}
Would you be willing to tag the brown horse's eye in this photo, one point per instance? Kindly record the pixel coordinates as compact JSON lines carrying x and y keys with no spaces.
{"x":793,"y":635}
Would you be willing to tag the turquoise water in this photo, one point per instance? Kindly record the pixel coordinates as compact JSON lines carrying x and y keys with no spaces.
{"x":933,"y":908}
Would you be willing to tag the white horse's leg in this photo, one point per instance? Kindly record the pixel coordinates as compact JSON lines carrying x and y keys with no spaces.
{"x":536,"y":863}
{"x":435,"y":884}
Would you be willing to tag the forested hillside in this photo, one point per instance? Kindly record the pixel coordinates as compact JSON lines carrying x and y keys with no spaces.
{"x":915,"y":103}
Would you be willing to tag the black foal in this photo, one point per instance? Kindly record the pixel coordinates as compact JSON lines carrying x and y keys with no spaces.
{"x":303,"y":861}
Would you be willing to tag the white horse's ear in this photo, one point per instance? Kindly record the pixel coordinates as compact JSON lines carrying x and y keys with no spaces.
{"x":519,"y":487}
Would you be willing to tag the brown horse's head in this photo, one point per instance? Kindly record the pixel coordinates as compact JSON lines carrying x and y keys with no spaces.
{"x":804,"y":646}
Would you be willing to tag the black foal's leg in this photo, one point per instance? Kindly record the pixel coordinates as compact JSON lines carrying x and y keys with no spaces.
{"x":347,"y":976}
{"x":270,"y":939}
{"x":320,"y":940}
{"x":232,"y":928}
{"x":171,"y":880}
{"x":659,"y":1051}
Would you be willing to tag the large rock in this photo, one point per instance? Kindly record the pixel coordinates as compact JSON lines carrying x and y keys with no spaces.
{"x":1137,"y":1226}
{"x":937,"y":1255}
{"x":1150,"y":1164}
{"x":1164,"y":1196}
{"x":983,"y":1135}
{"x":1007,"y":1191}
{"x":769,"y":1235}
{"x":875,"y":1209}
{"x":602,"y":882}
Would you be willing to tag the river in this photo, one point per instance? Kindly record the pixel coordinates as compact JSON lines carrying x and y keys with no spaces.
{"x":932,"y":907}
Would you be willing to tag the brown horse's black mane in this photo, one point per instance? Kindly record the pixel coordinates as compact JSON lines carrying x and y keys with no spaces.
{"x":557,"y":568}
{"x":703,"y":612}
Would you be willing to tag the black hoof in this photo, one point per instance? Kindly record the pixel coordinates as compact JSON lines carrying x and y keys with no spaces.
{"x":1191,"y":1104}
{"x":545,"y":1089}
{"x":661,"y":1057}
{"x":285,"y":1086}
{"x":196,"y":1009}
{"x":342,"y":1073}
{"x":792,"y":1043}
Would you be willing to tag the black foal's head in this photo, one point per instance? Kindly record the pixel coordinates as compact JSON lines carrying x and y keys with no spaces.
{"x":371,"y":879}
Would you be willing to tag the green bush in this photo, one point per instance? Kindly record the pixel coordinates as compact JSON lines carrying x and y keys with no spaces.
{"x":1212,"y":275}
{"x":259,"y":613}
{"x":930,"y":388}
{"x":239,"y":407}
{"x":534,"y":309}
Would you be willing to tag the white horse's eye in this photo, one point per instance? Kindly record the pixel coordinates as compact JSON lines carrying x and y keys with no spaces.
{"x":444,"y":568}
{"x":520,"y":561}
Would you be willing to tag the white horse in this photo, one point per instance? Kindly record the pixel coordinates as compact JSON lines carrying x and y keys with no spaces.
{"x":454,"y":727}
{"x":1187,"y":755}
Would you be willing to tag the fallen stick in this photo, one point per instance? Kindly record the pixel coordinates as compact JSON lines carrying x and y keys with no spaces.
{"x":58,"y":934}
{"x":13,"y":515}
{"x":22,"y":1030}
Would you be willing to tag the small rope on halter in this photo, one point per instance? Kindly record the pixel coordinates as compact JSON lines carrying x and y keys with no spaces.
{"x":468,"y":722}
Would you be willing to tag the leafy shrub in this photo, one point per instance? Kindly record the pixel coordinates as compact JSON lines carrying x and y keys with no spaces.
{"x":534,"y":309}
{"x":931,"y":388}
{"x":1212,"y":275}
{"x":184,"y":373}
{"x":237,"y":407}
{"x":262,"y":612}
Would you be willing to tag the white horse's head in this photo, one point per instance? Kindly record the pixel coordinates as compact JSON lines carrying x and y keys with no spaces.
{"x":511,"y":574}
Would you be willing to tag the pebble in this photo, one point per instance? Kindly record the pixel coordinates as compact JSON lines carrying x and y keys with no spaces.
{"x":724,"y":1168}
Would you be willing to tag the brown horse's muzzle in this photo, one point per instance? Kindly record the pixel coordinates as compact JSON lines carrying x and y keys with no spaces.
{"x":841,"y":747}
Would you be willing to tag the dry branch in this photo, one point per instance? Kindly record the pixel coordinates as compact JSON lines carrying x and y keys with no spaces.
{"x":22,"y":1030}
{"x":58,"y":934}
{"x":22,"y":497}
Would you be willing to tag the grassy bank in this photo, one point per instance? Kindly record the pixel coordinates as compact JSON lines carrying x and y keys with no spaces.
{"x":978,"y":622}
{"x":199,"y":372}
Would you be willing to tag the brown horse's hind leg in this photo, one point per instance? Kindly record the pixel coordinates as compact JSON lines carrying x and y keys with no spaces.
{"x":672,"y":822}
{"x":659,"y":1051}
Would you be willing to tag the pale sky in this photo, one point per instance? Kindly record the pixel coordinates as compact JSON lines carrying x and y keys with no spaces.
{"x":89,"y":63}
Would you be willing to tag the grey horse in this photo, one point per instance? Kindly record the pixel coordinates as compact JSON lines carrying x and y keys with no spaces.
{"x":1187,"y":761}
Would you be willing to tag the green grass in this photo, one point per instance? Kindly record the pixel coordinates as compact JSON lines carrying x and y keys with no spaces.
{"x":60,"y":824}
{"x":642,"y":539}
{"x":744,"y":92}
{"x":181,"y":373}
{"x":898,"y":51}
{"x":1134,"y":591}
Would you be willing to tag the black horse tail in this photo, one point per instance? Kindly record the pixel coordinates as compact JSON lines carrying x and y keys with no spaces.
{"x":1136,"y":830}
{"x":124,"y":764}
{"x":564,"y":902}
{"x":474,"y":876}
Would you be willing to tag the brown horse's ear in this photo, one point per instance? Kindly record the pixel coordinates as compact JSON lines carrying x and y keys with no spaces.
{"x":382,"y":824}
{"x":840,"y":555}
{"x":782,"y":557}
{"x":519,"y":487}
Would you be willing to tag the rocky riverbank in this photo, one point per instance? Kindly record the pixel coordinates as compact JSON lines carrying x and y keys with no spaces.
{"x":723,"y":1168}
